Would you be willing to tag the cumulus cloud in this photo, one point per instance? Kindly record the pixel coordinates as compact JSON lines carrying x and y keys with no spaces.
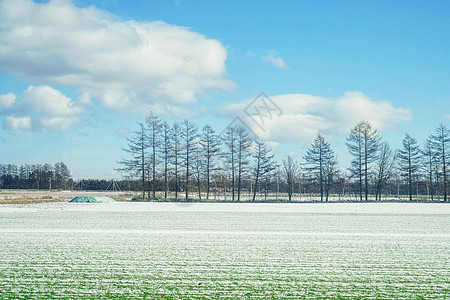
{"x":57,"y":43}
{"x":50,"y":101}
{"x":304,"y":116}
{"x":18,"y":124}
{"x":42,"y":108}
{"x":7,"y":100}
{"x":60,"y":123}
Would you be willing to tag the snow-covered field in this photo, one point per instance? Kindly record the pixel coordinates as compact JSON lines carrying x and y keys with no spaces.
{"x":137,"y":250}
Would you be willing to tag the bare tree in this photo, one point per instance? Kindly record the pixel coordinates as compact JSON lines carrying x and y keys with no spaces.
{"x":321,"y":163}
{"x":331,"y":175}
{"x":408,"y":159}
{"x":440,"y":142}
{"x":244,"y":142}
{"x":154,"y":141}
{"x":263,"y":164}
{"x":189,"y":136}
{"x":230,"y":140}
{"x":384,"y":165}
{"x":363,"y":144}
{"x":176,"y":154}
{"x":167,"y":152}
{"x":198,"y":167}
{"x":209,"y":150}
{"x":137,"y":165}
{"x":290,"y":169}
{"x":430,"y":165}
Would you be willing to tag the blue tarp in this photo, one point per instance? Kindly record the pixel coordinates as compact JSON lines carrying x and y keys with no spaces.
{"x":92,"y":199}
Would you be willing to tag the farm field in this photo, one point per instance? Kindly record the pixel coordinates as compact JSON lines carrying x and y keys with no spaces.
{"x":43,"y":196}
{"x":211,"y":250}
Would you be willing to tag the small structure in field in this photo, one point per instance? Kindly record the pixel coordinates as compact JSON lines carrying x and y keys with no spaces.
{"x":92,"y":199}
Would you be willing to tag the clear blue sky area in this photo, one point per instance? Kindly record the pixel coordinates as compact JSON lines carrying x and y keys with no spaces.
{"x":76,"y":76}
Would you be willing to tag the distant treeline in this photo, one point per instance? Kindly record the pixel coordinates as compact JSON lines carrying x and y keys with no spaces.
{"x":55,"y":177}
{"x":35,"y":176}
{"x":179,"y":159}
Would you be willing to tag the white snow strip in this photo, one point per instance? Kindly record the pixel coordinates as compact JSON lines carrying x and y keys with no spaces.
{"x":218,"y":232}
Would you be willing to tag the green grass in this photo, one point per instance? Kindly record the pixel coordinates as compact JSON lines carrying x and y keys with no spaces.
{"x":212,"y":254}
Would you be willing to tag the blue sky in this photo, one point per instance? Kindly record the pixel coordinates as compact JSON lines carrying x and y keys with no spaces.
{"x":77,"y":75}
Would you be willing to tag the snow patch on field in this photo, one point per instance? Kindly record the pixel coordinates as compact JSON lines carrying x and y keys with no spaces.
{"x":154,"y":250}
{"x":351,"y":208}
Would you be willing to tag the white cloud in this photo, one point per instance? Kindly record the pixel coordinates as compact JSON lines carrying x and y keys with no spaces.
{"x":62,"y":124}
{"x":46,"y":108}
{"x":18,"y":124}
{"x":278,"y":62}
{"x":7,"y":100}
{"x":303,"y":116}
{"x":155,"y":62}
{"x":447,"y":116}
{"x":85,"y":98}
{"x":115,"y":99}
{"x":50,"y":101}
{"x":271,"y":57}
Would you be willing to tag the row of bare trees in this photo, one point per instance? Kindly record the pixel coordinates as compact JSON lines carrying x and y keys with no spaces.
{"x":181,"y":158}
{"x":411,"y":164}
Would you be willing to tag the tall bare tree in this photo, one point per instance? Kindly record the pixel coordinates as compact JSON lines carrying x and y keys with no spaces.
{"x":189,"y":136}
{"x":383,"y":168}
{"x":244,"y":142}
{"x":321,"y":163}
{"x":198,"y":168}
{"x":332,"y":173}
{"x":229,"y":139}
{"x":264,"y":163}
{"x":290,"y":169}
{"x":409,"y":161}
{"x":363,"y":143}
{"x":176,"y":154}
{"x":167,"y":147}
{"x":429,"y":166}
{"x":440,"y":142}
{"x":154,"y":141}
{"x":209,"y":150}
{"x":137,"y":165}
